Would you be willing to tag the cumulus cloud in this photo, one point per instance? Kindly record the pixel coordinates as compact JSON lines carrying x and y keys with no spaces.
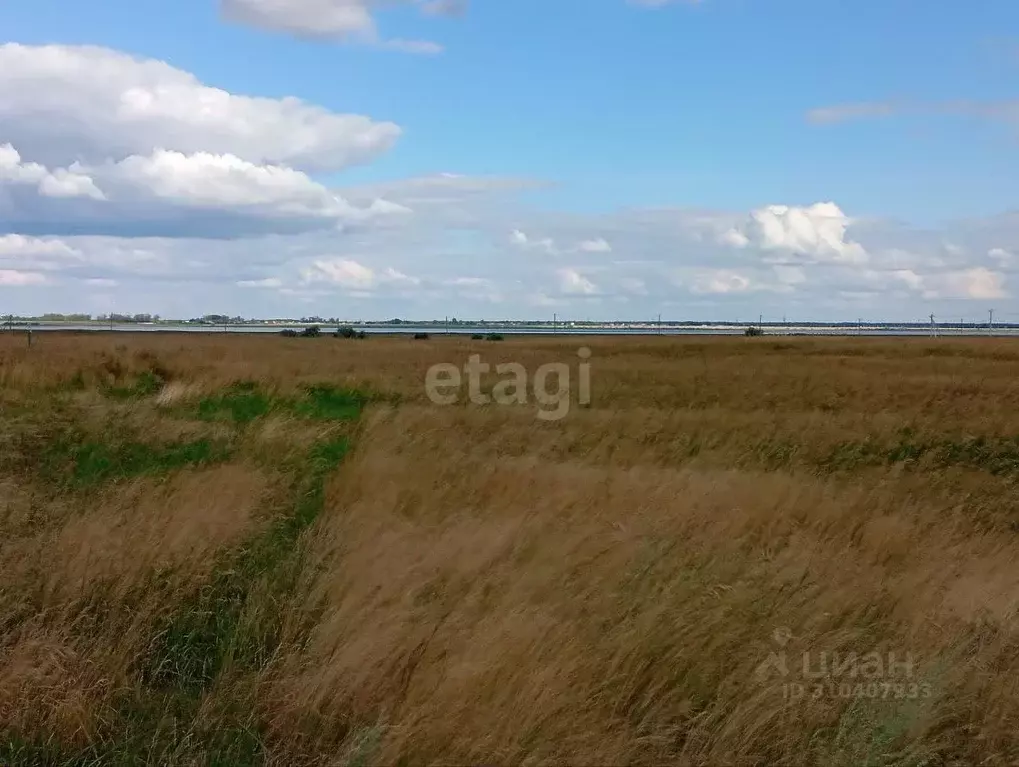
{"x":526,"y":242}
{"x":816,"y":233}
{"x":167,"y":192}
{"x":549,"y":246}
{"x":59,"y":182}
{"x":572,"y":282}
{"x":352,"y":275}
{"x":61,"y":104}
{"x":223,"y":181}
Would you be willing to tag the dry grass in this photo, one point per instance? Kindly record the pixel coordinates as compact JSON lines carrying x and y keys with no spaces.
{"x":476,"y":586}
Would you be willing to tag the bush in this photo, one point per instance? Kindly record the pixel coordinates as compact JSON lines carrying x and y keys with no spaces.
{"x":310,"y":332}
{"x":420,"y":336}
{"x":346,"y":332}
{"x":477,"y":337}
{"x":753,"y":331}
{"x":494,"y":337}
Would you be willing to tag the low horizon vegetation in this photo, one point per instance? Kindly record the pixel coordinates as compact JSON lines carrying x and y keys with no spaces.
{"x":243,"y":551}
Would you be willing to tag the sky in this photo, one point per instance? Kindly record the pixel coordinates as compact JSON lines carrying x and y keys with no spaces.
{"x":596,"y":159}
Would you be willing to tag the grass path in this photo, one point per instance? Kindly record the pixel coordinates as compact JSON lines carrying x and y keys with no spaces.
{"x":229,"y":629}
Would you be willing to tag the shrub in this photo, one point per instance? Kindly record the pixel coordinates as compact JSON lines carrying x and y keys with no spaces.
{"x":494,"y":337}
{"x":289,"y":333}
{"x":314,"y":331}
{"x":477,"y":337}
{"x":753,"y":331}
{"x":420,"y":336}
{"x":346,"y":332}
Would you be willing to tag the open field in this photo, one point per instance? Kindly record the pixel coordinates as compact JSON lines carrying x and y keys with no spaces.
{"x":745,"y":551}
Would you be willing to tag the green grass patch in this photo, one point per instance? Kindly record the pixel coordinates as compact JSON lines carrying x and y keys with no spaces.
{"x":327,"y":403}
{"x":996,"y":455}
{"x":69,"y":461}
{"x":145,"y":385}
{"x":241,"y":404}
{"x":244,"y":403}
{"x":232,"y":624}
{"x":196,"y":643}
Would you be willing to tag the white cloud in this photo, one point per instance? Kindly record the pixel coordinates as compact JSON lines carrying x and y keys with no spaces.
{"x":816,"y":233}
{"x":165,"y":188}
{"x":61,"y":103}
{"x":719,"y":281}
{"x":334,"y":19}
{"x":60,"y":182}
{"x":1004,"y":258}
{"x":352,"y":275}
{"x":268,"y":282}
{"x":13,"y":278}
{"x":222,"y":181}
{"x":634,"y":286}
{"x":572,"y":282}
{"x":976,"y":283}
{"x":19,"y":246}
{"x":734,"y":238}
{"x":524,"y":241}
{"x":598,"y":245}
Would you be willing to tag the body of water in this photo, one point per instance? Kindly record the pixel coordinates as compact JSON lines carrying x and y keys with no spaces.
{"x":460,"y":329}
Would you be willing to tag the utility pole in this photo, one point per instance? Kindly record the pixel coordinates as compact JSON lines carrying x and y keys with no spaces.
{"x":990,"y":321}
{"x":934,"y":329}
{"x":555,"y":324}
{"x":760,"y":322}
{"x":659,"y":324}
{"x":859,"y":326}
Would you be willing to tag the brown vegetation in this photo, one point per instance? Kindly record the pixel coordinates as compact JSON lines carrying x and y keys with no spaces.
{"x":657,"y":578}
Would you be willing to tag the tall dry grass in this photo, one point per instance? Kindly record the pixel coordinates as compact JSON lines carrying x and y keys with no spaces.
{"x":482,"y":587}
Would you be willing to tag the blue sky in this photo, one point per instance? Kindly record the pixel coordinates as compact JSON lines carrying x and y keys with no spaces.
{"x":822,"y":159}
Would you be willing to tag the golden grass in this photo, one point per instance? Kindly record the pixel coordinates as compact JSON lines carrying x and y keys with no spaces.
{"x":52,"y":678}
{"x":519,"y":609}
{"x":484,"y":587}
